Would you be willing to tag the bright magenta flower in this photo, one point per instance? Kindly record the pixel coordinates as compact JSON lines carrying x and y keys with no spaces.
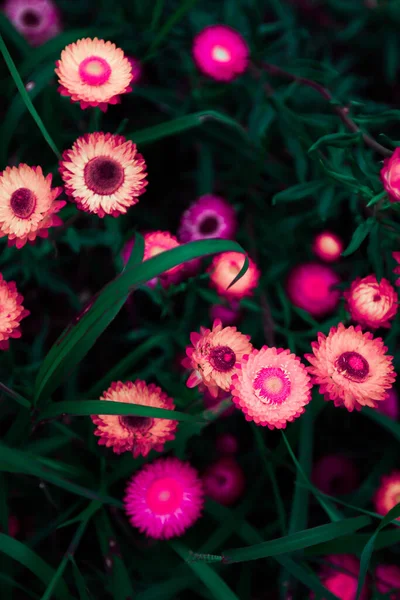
{"x":221,"y":52}
{"x":390,"y":175}
{"x":311,"y":286}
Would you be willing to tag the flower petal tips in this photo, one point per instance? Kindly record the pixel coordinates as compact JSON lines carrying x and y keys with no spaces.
{"x":11,"y":312}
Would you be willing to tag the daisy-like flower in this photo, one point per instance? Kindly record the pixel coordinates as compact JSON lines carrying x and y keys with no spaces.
{"x":390,"y":406}
{"x":371,"y":304}
{"x":213,"y":356}
{"x":27,"y":204}
{"x":388,"y":493}
{"x":223,"y":271}
{"x":103,"y":173}
{"x":138,"y":435}
{"x":271,"y":386}
{"x":310,"y":286}
{"x":220,"y":52}
{"x":94,"y":73}
{"x":396,"y":270}
{"x":11,"y":312}
{"x":327,"y":246}
{"x":209,"y":217}
{"x":390,"y":175}
{"x":388,"y":580}
{"x":351,"y":367}
{"x":224,"y":481}
{"x":164,"y":498}
{"x":340,"y":576}
{"x":37,"y":20}
{"x":335,"y":474}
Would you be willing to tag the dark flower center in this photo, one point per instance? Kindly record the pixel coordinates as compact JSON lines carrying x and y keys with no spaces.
{"x":353,"y":366}
{"x":23,"y":203}
{"x":141,"y":424}
{"x":208,"y":225}
{"x":376,"y":298}
{"x":30,"y":18}
{"x":104,"y":175}
{"x":222,"y":358}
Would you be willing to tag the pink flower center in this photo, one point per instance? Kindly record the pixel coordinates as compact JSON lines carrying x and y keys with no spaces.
{"x":94,"y":70}
{"x":23,"y":203}
{"x":208,"y":225}
{"x":164,"y":496}
{"x":104,"y":175}
{"x":353,"y":366}
{"x":30,"y":18}
{"x":140,"y":424}
{"x":272,"y":384}
{"x":377,"y":298}
{"x":221,"y":54}
{"x":222,"y":358}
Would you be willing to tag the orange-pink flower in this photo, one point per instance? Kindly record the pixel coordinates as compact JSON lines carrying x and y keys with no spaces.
{"x":223,"y":271}
{"x":27,"y":204}
{"x":371,"y":303}
{"x":94,"y":73}
{"x":156,"y":242}
{"x":388,"y":493}
{"x":11,"y":312}
{"x":103,"y":173}
{"x":351,"y":367}
{"x":213,"y":356}
{"x":139,"y":435}
{"x":271,"y":386}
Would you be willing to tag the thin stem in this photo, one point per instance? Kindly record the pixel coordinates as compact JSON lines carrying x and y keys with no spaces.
{"x":341,"y":111}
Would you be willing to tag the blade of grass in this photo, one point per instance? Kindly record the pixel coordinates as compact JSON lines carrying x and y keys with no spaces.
{"x":79,"y":581}
{"x":184,"y":7}
{"x":25,"y":96}
{"x":14,"y":395}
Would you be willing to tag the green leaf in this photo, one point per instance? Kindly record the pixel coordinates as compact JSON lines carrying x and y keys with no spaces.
{"x":14,"y":395}
{"x":175,"y":126}
{"x":99,"y":407}
{"x":184,"y":7}
{"x":25,"y":96}
{"x":338,"y":140}
{"x":299,"y":191}
{"x":307,"y":578}
{"x":7,"y":29}
{"x":33,"y":562}
{"x":79,"y":337}
{"x":79,"y":581}
{"x":359,"y":236}
{"x":217,"y":586}
{"x":296,"y":541}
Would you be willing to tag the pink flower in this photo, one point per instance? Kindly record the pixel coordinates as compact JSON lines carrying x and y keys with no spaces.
{"x":228,"y":314}
{"x":388,"y":580}
{"x":271,"y":387}
{"x":371,"y":304}
{"x":334,"y":474}
{"x":223,"y":271}
{"x":220,"y":52}
{"x":164,"y":498}
{"x":390,"y":406}
{"x":226,"y":444}
{"x":37,"y":20}
{"x":310,"y":286}
{"x":224,"y":481}
{"x":390,"y":175}
{"x":137,"y":70}
{"x":340,"y":577}
{"x":209,"y":217}
{"x":388,"y":493}
{"x":327,"y":246}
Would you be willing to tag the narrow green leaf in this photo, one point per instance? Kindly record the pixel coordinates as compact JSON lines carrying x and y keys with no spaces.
{"x":217,"y":586}
{"x":184,"y":7}
{"x":25,"y":96}
{"x":299,"y":191}
{"x":7,"y":29}
{"x":359,"y":236}
{"x":99,"y":407}
{"x":33,"y":562}
{"x":79,"y":581}
{"x":296,"y":541}
{"x":79,"y":337}
{"x":175,"y":126}
{"x":338,"y":140}
{"x":14,"y":395}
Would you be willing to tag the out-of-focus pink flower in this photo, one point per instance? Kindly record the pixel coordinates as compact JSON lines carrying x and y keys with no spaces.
{"x":335,"y":474}
{"x":37,"y":20}
{"x":311,"y":286}
{"x":227,"y":444}
{"x":390,"y":175}
{"x":327,"y":246}
{"x":224,"y":481}
{"x":228,"y":314}
{"x":221,"y":52}
{"x":390,"y":406}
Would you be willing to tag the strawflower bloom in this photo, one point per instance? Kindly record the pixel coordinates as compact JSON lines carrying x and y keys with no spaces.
{"x":390,"y":175}
{"x":340,"y":576}
{"x":224,"y":481}
{"x":351,"y":367}
{"x":11,"y":312}
{"x":371,"y":304}
{"x":396,"y":270}
{"x":310,"y":286}
{"x":327,"y":246}
{"x":155,"y":243}
{"x":164,"y":498}
{"x":223,"y":271}
{"x":213,"y":356}
{"x":388,"y":493}
{"x":94,"y":73}
{"x":36,"y":20}
{"x":209,"y":217}
{"x":228,"y":314}
{"x":221,"y":52}
{"x":130,"y":433}
{"x":226,"y":444}
{"x":271,"y":386}
{"x":390,"y":406}
{"x":388,"y":580}
{"x":103,"y":173}
{"x":335,"y":474}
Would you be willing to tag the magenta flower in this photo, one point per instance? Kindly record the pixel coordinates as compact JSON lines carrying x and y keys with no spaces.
{"x":310,"y":286}
{"x":390,"y":406}
{"x":224,"y":481}
{"x":37,"y":20}
{"x":220,"y":52}
{"x":208,"y":217}
{"x":334,"y":474}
